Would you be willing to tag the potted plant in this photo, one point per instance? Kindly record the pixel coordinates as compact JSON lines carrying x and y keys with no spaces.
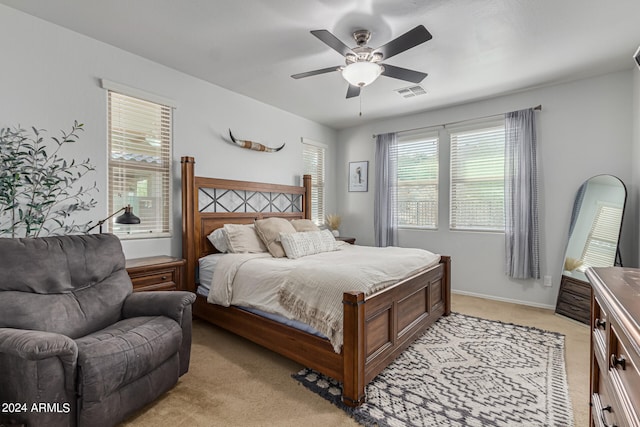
{"x":39,"y":189}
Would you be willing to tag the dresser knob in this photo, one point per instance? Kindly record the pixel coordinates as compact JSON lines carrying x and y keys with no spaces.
{"x":601,"y":324}
{"x":164,"y":277}
{"x":618,"y":361}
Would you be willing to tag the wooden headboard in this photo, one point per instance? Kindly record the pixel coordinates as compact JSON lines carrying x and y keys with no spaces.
{"x":209,"y":203}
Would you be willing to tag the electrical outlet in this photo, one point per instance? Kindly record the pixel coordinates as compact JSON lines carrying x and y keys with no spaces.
{"x":547,"y":281}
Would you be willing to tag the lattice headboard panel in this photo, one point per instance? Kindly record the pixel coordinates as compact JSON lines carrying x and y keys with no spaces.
{"x":225,"y":200}
{"x":209,"y":203}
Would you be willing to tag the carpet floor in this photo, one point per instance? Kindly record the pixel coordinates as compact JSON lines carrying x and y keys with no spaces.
{"x":233,"y":382}
{"x":465,"y":371}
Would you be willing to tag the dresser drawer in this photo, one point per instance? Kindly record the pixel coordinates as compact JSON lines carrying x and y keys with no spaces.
{"x":599,"y":327}
{"x":604,"y":410}
{"x":623,"y":370}
{"x":574,"y":300}
{"x":577,"y":288}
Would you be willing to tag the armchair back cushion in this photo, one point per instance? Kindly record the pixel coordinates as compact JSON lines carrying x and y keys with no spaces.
{"x":72,"y":285}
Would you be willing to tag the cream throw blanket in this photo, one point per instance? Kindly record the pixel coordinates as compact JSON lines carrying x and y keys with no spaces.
{"x":313,"y":286}
{"x":313,"y":292}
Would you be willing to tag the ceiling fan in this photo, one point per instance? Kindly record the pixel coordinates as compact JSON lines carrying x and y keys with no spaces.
{"x":364,"y":64}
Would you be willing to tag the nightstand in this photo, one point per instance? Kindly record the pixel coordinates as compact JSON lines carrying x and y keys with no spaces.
{"x":350,"y":240}
{"x":156,"y":273}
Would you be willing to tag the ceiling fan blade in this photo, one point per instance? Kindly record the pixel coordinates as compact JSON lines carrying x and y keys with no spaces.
{"x":333,"y":42}
{"x":315,"y":72}
{"x":353,"y":91}
{"x":404,"y":42}
{"x":403,"y":73}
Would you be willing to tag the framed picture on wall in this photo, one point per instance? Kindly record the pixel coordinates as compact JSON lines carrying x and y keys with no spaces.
{"x":359,"y":176}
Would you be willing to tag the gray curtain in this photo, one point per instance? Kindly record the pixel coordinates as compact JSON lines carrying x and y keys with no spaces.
{"x":385,"y":218}
{"x":521,"y":196}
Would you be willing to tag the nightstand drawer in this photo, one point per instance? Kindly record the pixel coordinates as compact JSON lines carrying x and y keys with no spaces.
{"x":160,"y":273}
{"x":163,"y":280}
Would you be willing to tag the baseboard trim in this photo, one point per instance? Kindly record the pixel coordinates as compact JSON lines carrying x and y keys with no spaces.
{"x":509,"y":300}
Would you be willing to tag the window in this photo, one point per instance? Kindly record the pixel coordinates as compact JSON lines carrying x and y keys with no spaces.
{"x":417,"y":200}
{"x":477,"y":177}
{"x":139,"y":164}
{"x":602,"y":242}
{"x":313,"y":159}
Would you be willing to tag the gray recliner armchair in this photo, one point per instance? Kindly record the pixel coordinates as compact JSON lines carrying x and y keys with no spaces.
{"x":77,"y":347}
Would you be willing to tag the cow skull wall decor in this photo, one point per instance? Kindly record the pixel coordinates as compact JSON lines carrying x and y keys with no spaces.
{"x":251,"y":145}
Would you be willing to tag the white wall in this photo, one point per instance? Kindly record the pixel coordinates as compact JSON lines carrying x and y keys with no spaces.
{"x":50,"y":77}
{"x":584,"y":129}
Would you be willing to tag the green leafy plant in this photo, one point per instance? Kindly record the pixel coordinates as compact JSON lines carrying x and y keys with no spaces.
{"x":39,"y":189}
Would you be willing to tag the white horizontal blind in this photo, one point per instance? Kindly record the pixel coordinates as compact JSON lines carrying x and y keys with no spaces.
{"x":417,"y":192}
{"x":313,"y":159}
{"x":477,"y":177}
{"x":602,"y":242}
{"x":139,"y":163}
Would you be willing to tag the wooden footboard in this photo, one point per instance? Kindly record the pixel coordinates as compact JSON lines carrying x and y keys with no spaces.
{"x":377,"y":328}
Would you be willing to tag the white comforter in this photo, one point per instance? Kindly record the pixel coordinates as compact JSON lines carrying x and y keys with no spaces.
{"x":310,"y":289}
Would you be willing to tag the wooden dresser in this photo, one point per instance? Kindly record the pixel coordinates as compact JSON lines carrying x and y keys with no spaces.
{"x":615,"y":347}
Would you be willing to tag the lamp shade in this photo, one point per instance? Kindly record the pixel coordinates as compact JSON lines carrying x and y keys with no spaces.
{"x":361,"y":73}
{"x":127,"y":217}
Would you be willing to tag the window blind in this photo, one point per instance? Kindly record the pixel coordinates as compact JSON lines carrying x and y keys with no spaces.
{"x":417,"y":191}
{"x":602,"y":242}
{"x":140,"y":134}
{"x":313,"y":159}
{"x":477,"y":177}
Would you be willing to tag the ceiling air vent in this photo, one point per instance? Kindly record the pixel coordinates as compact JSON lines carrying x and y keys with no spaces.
{"x":411,"y":91}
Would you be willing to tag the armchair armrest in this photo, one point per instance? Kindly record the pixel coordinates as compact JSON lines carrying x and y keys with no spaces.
{"x":173,"y":304}
{"x":160,"y":303}
{"x":36,"y":345}
{"x":33,"y":362}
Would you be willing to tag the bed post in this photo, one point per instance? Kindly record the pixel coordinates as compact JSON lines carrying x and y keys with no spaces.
{"x":446,"y":260}
{"x":188,"y":218}
{"x":353,"y":350}
{"x":306,"y":182}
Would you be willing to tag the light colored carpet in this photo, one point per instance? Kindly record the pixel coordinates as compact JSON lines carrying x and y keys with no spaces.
{"x":232,"y":382}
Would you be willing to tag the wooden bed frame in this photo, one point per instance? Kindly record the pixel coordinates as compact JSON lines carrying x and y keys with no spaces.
{"x":377,"y":328}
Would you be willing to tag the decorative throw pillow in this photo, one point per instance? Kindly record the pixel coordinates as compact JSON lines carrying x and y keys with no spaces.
{"x":218,"y":239}
{"x":269,"y":230}
{"x":304,"y":225}
{"x":297,"y":245}
{"x":242,"y":239}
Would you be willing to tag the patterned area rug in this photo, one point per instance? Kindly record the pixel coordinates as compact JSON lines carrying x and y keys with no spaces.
{"x":466,"y":372}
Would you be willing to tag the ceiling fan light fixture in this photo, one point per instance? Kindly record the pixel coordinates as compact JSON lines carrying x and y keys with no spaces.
{"x":361,"y":73}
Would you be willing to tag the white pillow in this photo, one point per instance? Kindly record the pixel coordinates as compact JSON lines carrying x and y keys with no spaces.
{"x":218,"y":239}
{"x":300,"y":244}
{"x":243,"y":239}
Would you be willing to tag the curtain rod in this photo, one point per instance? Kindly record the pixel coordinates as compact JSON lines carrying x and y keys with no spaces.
{"x":537,"y":108}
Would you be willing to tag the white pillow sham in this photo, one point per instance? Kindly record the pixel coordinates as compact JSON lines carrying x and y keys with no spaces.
{"x":305,"y":243}
{"x":237,"y":239}
{"x":243,"y":239}
{"x":218,"y":239}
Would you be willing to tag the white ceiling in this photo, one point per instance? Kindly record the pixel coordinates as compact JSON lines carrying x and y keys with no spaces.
{"x":480,"y":48}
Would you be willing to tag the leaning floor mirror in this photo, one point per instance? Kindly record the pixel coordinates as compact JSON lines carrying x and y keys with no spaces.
{"x":594,"y":233}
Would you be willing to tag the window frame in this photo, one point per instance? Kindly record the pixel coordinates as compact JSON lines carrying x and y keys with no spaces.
{"x":317,"y":185}
{"x":164,"y":170}
{"x":478,"y":126}
{"x":427,"y":136}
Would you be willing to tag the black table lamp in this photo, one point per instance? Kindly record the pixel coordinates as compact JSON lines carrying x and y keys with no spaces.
{"x":126,"y":218}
